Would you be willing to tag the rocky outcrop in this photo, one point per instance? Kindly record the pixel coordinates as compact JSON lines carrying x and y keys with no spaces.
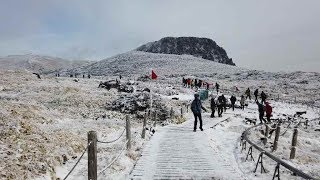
{"x":199,"y":47}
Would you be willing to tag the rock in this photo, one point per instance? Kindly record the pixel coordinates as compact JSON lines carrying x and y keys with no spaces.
{"x":117,"y":85}
{"x":299,"y":113}
{"x":199,"y":47}
{"x":144,"y":78}
{"x":109,"y":84}
{"x":125,"y":88}
{"x":138,"y":103}
{"x":146,"y":89}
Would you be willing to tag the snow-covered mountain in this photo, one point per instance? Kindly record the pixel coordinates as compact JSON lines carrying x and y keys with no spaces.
{"x":198,"y":47}
{"x":37,"y":63}
{"x":137,"y":63}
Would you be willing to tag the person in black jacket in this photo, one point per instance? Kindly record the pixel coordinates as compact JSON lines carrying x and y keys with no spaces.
{"x":217,"y":87}
{"x":213,"y":106}
{"x":261,"y":112}
{"x":256,"y":92}
{"x":248,"y":94}
{"x":220,"y":105}
{"x":196,"y":107}
{"x":224,"y":103}
{"x":233,"y":100}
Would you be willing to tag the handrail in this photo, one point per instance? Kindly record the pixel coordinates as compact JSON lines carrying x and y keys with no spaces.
{"x":107,"y":142}
{"x":77,"y":161}
{"x":283,"y":163}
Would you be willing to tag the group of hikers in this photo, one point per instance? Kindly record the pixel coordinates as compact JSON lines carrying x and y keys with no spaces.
{"x":195,"y":83}
{"x":220,"y":103}
{"x":198,"y":83}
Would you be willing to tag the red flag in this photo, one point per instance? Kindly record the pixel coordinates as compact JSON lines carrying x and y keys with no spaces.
{"x":153,"y":75}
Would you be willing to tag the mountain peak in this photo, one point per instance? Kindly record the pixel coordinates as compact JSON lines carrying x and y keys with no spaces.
{"x":199,"y":47}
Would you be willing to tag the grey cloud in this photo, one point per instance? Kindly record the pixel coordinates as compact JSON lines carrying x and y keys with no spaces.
{"x":271,"y":35}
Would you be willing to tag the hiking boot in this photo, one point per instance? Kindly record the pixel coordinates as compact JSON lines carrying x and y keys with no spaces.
{"x":201,"y":129}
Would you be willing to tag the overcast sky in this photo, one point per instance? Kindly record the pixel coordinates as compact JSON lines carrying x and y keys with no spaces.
{"x":274,"y":35}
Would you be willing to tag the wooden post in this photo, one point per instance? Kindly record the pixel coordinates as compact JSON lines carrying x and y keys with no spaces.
{"x":294,"y":143}
{"x":265,"y":140}
{"x":143,"y":135}
{"x":128,"y":132}
{"x":187,"y":108}
{"x":92,"y":155}
{"x":181,"y":112}
{"x":278,"y":97}
{"x":267,"y":131}
{"x":276,"y":138}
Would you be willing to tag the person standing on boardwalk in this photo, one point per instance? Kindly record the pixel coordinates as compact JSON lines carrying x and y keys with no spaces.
{"x":261,"y":112}
{"x":220,"y":105}
{"x":196,"y":107}
{"x":268,"y":112}
{"x":217,"y":87}
{"x":224,"y":103}
{"x":233,"y":100}
{"x":248,"y":94}
{"x":213,"y":106}
{"x":256,"y":92}
{"x":242,"y":102}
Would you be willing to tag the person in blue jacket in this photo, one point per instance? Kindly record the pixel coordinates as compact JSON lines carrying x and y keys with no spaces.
{"x":196,"y":107}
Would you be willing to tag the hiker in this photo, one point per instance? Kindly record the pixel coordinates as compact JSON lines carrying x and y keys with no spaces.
{"x":242,"y":102}
{"x":233,"y":100}
{"x":248,"y":93}
{"x":263,"y":97}
{"x":196,"y":81}
{"x":213,"y":106}
{"x":120,"y":76}
{"x":268,"y":111}
{"x":220,"y":105}
{"x":217,"y":87}
{"x":261,"y":112}
{"x":89,"y":76}
{"x":207,"y":85}
{"x":256,"y":92}
{"x":200,"y":83}
{"x":196,"y":107}
{"x":183,"y":82}
{"x":224,"y":103}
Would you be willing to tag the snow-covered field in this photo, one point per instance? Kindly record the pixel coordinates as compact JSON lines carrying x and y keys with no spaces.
{"x":43,"y":120}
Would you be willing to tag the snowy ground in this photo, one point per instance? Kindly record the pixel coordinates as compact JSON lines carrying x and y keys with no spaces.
{"x":43,"y":119}
{"x":224,"y":160}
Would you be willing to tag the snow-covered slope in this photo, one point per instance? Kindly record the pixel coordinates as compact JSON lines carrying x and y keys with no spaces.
{"x":37,"y":63}
{"x":302,"y":86}
{"x":138,"y":62}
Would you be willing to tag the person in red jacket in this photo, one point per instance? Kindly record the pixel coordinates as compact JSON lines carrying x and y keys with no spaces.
{"x":268,"y":111}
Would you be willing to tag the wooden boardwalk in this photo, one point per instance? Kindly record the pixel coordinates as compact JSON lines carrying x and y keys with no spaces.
{"x":176,"y":152}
